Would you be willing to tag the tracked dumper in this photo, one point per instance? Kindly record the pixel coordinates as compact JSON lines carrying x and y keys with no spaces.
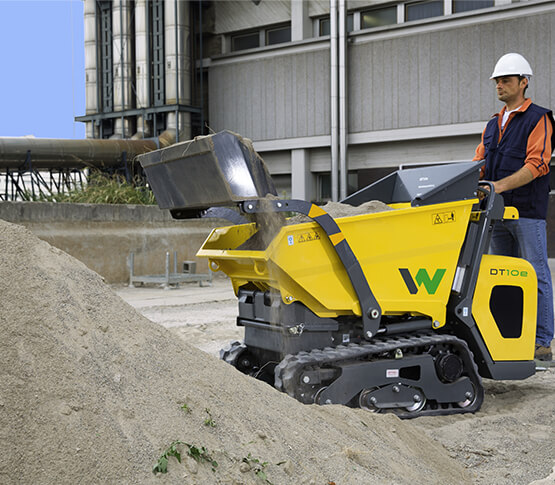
{"x":397,"y":311}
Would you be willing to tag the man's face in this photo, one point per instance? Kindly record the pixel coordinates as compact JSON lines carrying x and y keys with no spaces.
{"x":509,"y":88}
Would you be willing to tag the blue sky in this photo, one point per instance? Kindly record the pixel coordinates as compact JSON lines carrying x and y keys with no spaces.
{"x":42,"y":70}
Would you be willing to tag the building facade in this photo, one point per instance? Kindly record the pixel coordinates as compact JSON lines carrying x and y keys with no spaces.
{"x":333,"y":93}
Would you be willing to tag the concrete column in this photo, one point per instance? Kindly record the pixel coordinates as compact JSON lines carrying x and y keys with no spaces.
{"x":334,"y":101}
{"x":91,"y":85}
{"x":141,"y":68}
{"x":178,"y":64}
{"x":301,"y":177}
{"x":400,"y":13}
{"x":301,"y":26}
{"x":123,"y":69}
{"x":226,"y":43}
{"x":343,"y":101}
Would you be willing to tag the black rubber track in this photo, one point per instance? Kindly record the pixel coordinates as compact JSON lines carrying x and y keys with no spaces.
{"x":288,"y":372}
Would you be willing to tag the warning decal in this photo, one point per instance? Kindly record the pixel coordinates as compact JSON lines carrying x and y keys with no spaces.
{"x":443,"y":217}
{"x":308,"y":236}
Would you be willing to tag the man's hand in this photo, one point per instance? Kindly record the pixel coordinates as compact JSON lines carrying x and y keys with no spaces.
{"x":483,"y":190}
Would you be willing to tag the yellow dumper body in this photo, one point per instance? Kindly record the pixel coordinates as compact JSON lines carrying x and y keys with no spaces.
{"x":418,"y":244}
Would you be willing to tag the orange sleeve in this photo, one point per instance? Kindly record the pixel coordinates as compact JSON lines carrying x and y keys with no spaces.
{"x":480,"y":150}
{"x":538,"y":150}
{"x":480,"y":154}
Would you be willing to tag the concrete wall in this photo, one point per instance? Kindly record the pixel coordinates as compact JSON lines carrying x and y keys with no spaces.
{"x":102,"y":236}
{"x":440,"y":77}
{"x":278,"y":95}
{"x":435,"y":73}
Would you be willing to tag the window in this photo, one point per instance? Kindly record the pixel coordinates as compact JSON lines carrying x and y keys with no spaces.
{"x":324,"y":187}
{"x":466,"y":5}
{"x":378,"y":17}
{"x":245,"y":41}
{"x":278,"y":35}
{"x":260,"y":38}
{"x":324,"y":25}
{"x":423,"y":10}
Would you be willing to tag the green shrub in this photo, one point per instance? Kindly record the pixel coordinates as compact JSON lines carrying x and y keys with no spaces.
{"x":104,"y":189}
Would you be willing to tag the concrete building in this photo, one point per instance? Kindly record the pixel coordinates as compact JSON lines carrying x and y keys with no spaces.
{"x":333,"y":93}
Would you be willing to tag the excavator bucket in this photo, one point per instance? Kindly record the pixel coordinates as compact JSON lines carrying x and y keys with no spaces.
{"x":210,"y":171}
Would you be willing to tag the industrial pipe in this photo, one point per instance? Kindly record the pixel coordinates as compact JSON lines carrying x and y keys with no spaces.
{"x":91,"y":85}
{"x":46,"y":153}
{"x":334,"y":101}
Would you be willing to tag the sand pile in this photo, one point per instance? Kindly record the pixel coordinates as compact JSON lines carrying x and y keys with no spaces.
{"x":338,"y":209}
{"x":92,"y":392}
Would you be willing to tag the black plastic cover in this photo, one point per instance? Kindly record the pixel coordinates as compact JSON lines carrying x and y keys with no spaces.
{"x":426,"y":185}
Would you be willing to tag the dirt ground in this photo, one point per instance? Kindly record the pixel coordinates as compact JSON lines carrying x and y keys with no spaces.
{"x":511,"y":440}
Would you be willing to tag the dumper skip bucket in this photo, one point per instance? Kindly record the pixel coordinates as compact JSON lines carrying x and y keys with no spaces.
{"x":302,"y":265}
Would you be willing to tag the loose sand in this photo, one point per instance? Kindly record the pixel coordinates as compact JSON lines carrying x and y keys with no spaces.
{"x":93,"y":392}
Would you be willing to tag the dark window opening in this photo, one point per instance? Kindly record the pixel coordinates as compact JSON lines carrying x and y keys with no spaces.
{"x":106,"y":128}
{"x":378,"y":17}
{"x":467,"y":5}
{"x":245,"y":41}
{"x":278,"y":35}
{"x":423,"y":10}
{"x":325,"y":26}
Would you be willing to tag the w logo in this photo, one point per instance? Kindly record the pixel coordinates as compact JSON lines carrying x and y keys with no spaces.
{"x":422,"y":278}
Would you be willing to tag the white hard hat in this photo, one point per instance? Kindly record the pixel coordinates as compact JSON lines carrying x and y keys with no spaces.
{"x":512,"y":64}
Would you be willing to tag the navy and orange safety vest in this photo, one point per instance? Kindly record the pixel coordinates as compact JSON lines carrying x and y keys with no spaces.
{"x":508,"y":153}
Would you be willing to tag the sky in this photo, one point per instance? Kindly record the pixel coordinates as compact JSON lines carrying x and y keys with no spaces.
{"x":42,"y":68}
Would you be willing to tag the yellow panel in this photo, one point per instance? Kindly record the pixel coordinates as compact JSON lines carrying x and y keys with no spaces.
{"x":229,"y":237}
{"x":424,"y":242}
{"x":502,"y":270}
{"x":510,"y":213}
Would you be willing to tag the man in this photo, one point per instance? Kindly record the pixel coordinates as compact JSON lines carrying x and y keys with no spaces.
{"x":516,"y":146}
